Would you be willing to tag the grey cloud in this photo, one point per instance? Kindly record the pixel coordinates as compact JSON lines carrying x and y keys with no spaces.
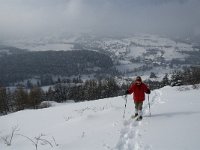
{"x":46,"y":17}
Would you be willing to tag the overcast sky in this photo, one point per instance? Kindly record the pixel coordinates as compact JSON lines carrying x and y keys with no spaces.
{"x":26,"y":18}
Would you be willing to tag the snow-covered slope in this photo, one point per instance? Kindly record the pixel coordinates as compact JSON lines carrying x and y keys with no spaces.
{"x":43,"y":44}
{"x":174,"y":124}
{"x":141,"y":53}
{"x":139,"y":45}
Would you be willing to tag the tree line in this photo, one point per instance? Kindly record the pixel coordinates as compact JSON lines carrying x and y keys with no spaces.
{"x":187,"y":76}
{"x":21,"y":98}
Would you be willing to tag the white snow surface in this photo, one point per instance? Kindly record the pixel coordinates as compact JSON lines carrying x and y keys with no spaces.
{"x":145,"y":45}
{"x":174,"y":124}
{"x":43,"y":44}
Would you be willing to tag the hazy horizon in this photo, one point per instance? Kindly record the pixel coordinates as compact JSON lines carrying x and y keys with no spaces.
{"x":30,"y":18}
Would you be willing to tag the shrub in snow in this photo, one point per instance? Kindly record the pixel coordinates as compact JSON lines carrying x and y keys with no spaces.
{"x":183,"y":88}
{"x":195,"y":86}
{"x":39,"y":140}
{"x":45,"y":104}
{"x":9,"y":138}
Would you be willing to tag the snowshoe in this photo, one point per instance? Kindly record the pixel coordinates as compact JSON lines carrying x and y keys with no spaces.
{"x":139,"y":118}
{"x":134,"y":116}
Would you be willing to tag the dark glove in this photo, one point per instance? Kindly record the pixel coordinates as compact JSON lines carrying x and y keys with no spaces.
{"x":148,"y":91}
{"x":127,"y":92}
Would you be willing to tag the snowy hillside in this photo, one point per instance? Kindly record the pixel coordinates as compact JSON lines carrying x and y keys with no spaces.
{"x":139,"y":53}
{"x":137,"y":45}
{"x":98,"y":125}
{"x":43,"y":44}
{"x":136,"y":54}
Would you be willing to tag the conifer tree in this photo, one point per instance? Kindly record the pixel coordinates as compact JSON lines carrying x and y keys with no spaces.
{"x":4,"y":108}
{"x":21,"y":98}
{"x":35,"y":97}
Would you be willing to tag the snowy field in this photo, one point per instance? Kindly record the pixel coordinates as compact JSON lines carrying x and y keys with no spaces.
{"x":53,"y":47}
{"x":174,"y":124}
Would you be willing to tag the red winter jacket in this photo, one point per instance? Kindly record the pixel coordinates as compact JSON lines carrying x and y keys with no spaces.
{"x":139,"y":91}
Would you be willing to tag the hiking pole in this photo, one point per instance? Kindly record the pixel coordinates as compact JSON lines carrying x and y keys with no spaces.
{"x":125,"y":106}
{"x":149,"y":106}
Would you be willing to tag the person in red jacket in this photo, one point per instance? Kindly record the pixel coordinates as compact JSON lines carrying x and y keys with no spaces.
{"x":138,"y":88}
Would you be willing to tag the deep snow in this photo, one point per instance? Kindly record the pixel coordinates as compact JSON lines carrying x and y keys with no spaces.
{"x":174,"y":124}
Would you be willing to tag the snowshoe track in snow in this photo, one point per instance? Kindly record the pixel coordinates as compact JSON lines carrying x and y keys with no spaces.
{"x":130,"y":137}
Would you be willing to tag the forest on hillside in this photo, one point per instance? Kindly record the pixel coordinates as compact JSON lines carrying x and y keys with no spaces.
{"x":21,"y":98}
{"x":18,"y":67}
